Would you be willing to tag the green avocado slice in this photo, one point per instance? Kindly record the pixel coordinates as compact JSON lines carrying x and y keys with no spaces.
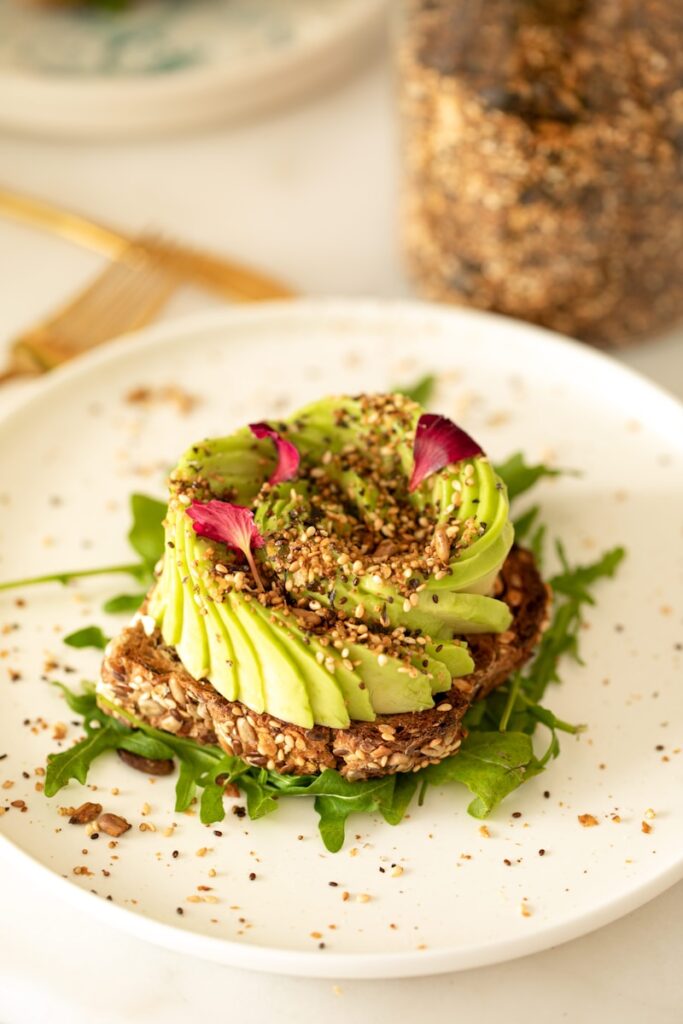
{"x":250,"y":689}
{"x":454,"y":656}
{"x":285,"y":502}
{"x":454,"y":613}
{"x":238,"y":462}
{"x":193,"y":645}
{"x":354,"y":693}
{"x":282,"y":691}
{"x":476,"y":574}
{"x":435,"y":670}
{"x":459,"y":614}
{"x":324,"y":695}
{"x":172,"y":626}
{"x":388,"y":695}
{"x":166,"y":599}
{"x":222,"y":671}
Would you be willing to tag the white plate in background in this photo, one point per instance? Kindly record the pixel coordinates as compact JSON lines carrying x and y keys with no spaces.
{"x":163,"y":66}
{"x":73,"y":453}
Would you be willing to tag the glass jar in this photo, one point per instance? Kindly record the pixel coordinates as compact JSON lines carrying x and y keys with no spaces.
{"x":543,"y":159}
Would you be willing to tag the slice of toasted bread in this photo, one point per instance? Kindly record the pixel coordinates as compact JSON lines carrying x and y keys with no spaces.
{"x":144,"y":677}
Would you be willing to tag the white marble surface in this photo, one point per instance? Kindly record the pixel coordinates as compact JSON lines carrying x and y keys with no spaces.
{"x":310,"y":195}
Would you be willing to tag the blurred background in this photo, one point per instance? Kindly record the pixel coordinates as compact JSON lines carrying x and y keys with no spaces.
{"x":521,"y":156}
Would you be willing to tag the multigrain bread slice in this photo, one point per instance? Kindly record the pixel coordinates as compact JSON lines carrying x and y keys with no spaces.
{"x":144,"y":677}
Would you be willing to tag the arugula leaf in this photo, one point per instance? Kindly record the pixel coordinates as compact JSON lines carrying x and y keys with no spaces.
{"x":513,"y":688}
{"x":421,"y":390}
{"x":75,"y":762}
{"x":337,"y":798}
{"x":549,"y":718}
{"x":491,"y":765}
{"x":146,"y":746}
{"x":574,"y":582}
{"x":211,"y":807}
{"x":562,"y":635}
{"x":521,"y":695}
{"x":135,"y":569}
{"x":146,"y":535}
{"x":83,"y":703}
{"x":260,"y":800}
{"x":524,"y":522}
{"x":516,"y":705}
{"x":494,"y":760}
{"x":186,"y":786}
{"x":209,"y":768}
{"x":537,"y":543}
{"x":518,"y":476}
{"x":523,"y":525}
{"x":404,"y":790}
{"x":89,"y":636}
{"x":124,"y":603}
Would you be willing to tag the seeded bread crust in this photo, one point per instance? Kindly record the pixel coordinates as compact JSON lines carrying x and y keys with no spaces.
{"x":145,"y":677}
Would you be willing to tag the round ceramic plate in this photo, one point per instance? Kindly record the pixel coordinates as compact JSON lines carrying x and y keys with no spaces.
{"x":114,"y":422}
{"x":168,"y":65}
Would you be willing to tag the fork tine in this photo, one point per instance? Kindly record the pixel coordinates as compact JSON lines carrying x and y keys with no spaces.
{"x":94,"y":303}
{"x":118,"y":277}
{"x":125,"y":296}
{"x":124,"y":300}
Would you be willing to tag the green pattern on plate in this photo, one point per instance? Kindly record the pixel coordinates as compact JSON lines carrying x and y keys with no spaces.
{"x":154,"y":37}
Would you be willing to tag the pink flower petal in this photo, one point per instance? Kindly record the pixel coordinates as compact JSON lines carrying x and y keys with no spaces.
{"x":287,"y":453}
{"x":232,"y":525}
{"x":438,"y":443}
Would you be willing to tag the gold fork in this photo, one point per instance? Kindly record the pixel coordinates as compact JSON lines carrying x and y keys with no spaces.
{"x":126,"y":295}
{"x":223,"y":277}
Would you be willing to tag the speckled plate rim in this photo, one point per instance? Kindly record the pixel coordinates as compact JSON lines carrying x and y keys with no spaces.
{"x":654,"y":400}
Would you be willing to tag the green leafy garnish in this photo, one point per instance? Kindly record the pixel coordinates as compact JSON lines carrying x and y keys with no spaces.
{"x":562,"y":636}
{"x":101,"y":734}
{"x":495,"y":759}
{"x":491,"y":765}
{"x":209,"y":769}
{"x":89,"y":636}
{"x":519,"y":477}
{"x":136,"y":569}
{"x":516,"y":704}
{"x":574,"y":583}
{"x":528,"y":529}
{"x":146,"y":537}
{"x":124,"y":603}
{"x":524,"y":523}
{"x":75,"y":762}
{"x":421,"y":391}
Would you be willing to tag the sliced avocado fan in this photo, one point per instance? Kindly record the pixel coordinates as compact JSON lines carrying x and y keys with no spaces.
{"x":370,"y":588}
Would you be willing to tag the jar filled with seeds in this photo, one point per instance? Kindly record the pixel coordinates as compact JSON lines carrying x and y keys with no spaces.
{"x":543,"y":159}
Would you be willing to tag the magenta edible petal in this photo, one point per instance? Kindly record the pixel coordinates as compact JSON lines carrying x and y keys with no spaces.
{"x":287,"y":453}
{"x":233,"y":525}
{"x":438,"y":443}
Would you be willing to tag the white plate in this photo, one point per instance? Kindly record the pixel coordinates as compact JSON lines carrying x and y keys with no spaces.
{"x":169,"y":65}
{"x":70,"y":457}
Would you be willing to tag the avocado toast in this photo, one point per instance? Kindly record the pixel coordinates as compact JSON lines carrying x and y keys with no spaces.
{"x":336,"y":590}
